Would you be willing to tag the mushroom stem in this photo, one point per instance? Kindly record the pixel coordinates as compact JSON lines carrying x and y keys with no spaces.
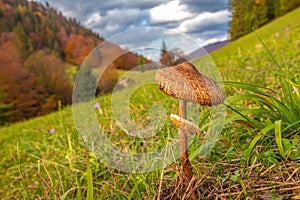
{"x":182,"y":109}
{"x":183,"y":146}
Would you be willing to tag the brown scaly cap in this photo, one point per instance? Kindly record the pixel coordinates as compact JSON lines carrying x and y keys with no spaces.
{"x":185,"y":82}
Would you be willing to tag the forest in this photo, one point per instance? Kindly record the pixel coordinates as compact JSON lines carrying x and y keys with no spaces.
{"x":40,"y":52}
{"x":249,"y":14}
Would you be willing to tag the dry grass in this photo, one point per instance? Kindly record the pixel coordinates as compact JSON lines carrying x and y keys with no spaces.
{"x":253,"y":182}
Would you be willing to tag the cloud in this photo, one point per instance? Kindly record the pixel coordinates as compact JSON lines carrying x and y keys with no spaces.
{"x":200,"y":6}
{"x":115,"y":21}
{"x":148,"y":41}
{"x":141,"y":4}
{"x":93,"y":19}
{"x":169,"y":12}
{"x":204,"y":22}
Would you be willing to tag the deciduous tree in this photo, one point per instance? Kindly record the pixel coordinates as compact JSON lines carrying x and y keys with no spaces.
{"x":50,"y":74}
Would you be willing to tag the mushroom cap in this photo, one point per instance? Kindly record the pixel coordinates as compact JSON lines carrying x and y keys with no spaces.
{"x":185,"y":82}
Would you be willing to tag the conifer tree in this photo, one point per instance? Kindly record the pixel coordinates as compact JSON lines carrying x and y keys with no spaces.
{"x":85,"y":84}
{"x":21,"y":42}
{"x":167,"y":57}
{"x":141,"y":62}
{"x":5,"y":114}
{"x":249,"y":14}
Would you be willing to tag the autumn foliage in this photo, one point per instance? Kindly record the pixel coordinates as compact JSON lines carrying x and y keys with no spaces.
{"x":37,"y":47}
{"x":17,"y":83}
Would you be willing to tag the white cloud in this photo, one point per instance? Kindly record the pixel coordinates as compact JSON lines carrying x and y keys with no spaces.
{"x":123,"y":15}
{"x":206,"y":20}
{"x":111,"y":27}
{"x":113,"y":21}
{"x":93,"y":20}
{"x":170,"y":12}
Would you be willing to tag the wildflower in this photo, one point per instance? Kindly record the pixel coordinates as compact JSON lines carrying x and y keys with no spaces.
{"x":52,"y":131}
{"x":97,"y":105}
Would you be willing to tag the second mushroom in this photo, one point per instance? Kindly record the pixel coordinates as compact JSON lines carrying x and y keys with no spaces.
{"x":186,"y":83}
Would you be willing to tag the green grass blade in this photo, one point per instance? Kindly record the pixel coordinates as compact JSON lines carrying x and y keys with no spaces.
{"x":135,"y":187}
{"x":277,"y":127}
{"x":246,"y":86}
{"x":277,"y":108}
{"x":248,"y":152}
{"x":90,"y":189}
{"x":78,"y":192}
{"x":241,"y":97}
{"x":243,"y":117}
{"x":78,"y":197}
{"x":24,"y":192}
{"x":243,"y":186}
{"x":291,"y":126}
{"x":253,"y":143}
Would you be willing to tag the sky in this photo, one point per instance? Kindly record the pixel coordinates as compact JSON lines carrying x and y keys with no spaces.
{"x":137,"y":25}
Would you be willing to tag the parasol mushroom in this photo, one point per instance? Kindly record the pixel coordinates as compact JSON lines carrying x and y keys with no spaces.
{"x":186,"y":83}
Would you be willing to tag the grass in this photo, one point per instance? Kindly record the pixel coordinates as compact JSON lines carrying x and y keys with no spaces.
{"x":257,"y":154}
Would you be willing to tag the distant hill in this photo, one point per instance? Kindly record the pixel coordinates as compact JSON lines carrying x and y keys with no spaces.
{"x":214,"y":46}
{"x":207,"y":49}
{"x":37,"y":47}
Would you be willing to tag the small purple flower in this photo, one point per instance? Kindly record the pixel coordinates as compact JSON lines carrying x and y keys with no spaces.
{"x":52,"y":131}
{"x":97,"y":105}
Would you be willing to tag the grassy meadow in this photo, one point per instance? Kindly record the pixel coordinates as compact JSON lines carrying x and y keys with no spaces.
{"x":257,"y":155}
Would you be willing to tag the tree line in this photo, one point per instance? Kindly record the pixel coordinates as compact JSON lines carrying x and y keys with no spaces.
{"x":40,"y":52}
{"x":249,"y":14}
